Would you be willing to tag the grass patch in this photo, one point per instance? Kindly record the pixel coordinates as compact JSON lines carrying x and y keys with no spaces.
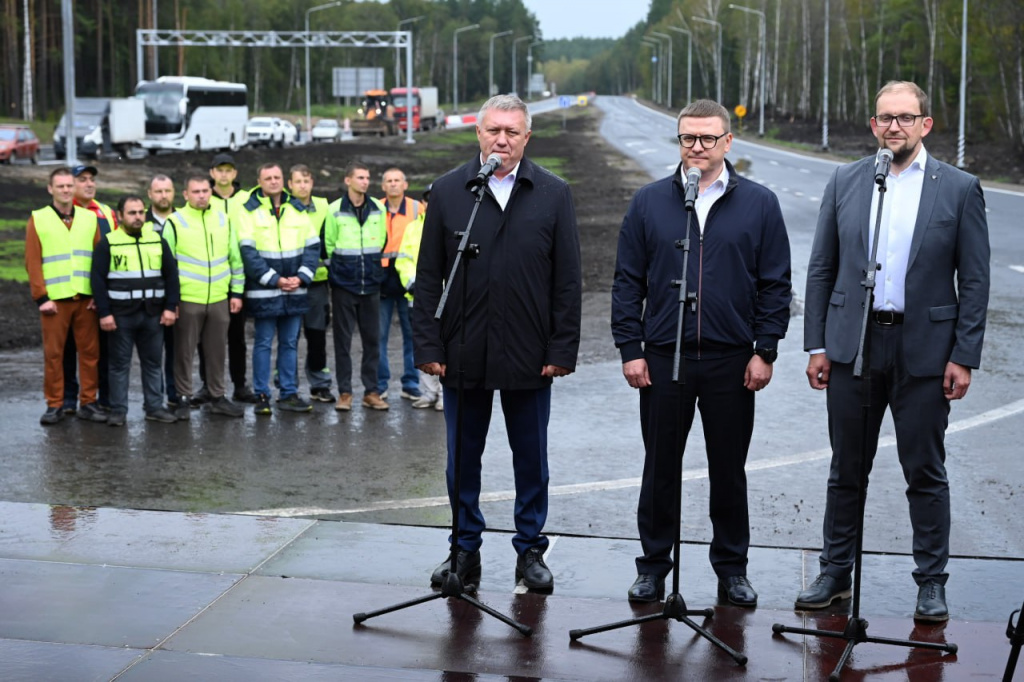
{"x":12,"y":260}
{"x":554,"y":164}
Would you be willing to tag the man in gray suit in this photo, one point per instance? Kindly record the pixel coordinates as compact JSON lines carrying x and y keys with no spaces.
{"x":926,"y":329}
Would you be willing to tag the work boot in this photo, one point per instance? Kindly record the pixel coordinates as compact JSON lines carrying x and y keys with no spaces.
{"x":531,"y":569}
{"x":374,"y":402}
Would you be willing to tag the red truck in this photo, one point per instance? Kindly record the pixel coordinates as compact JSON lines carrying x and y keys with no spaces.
{"x":425,"y":113}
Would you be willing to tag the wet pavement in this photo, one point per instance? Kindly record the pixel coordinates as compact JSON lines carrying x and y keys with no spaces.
{"x":99,"y":594}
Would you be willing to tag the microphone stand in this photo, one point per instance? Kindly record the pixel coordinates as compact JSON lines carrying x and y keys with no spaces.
{"x":856,"y":627}
{"x":1016,"y":635}
{"x":453,"y":587}
{"x":675,"y":606}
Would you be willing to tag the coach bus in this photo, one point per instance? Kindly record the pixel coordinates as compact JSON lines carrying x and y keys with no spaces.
{"x":193,"y":114}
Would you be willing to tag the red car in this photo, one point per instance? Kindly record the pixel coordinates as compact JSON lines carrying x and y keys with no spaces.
{"x":18,"y":142}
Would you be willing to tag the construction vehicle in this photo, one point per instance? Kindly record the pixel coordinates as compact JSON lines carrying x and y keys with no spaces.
{"x":376,"y":115}
{"x":425,"y":113}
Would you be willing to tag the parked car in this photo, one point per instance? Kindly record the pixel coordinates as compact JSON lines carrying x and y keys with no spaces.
{"x":18,"y":142}
{"x":270,"y":131}
{"x":326,"y":130}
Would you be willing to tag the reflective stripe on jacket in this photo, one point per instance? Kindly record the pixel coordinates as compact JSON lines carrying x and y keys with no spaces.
{"x":135,"y":268}
{"x":276,"y":246}
{"x":355,"y":249}
{"x":408,"y":254}
{"x":209,"y":264}
{"x":317,"y":214}
{"x":67,"y":253}
{"x":396,"y":224}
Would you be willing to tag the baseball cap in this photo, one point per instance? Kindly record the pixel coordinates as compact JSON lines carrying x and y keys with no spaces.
{"x":426,"y":192}
{"x":78,"y":170}
{"x":222,"y":159}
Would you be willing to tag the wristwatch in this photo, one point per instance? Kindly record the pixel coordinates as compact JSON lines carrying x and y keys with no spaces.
{"x":769,"y":355}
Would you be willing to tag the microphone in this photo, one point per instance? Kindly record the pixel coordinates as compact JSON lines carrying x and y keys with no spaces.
{"x":692,"y":187}
{"x":492,"y":164}
{"x":882,"y":162}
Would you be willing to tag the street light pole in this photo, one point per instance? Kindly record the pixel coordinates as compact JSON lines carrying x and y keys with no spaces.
{"x":824,"y":101}
{"x":398,"y":50}
{"x":763,"y":40}
{"x":490,"y":63}
{"x":515,"y":84}
{"x":529,"y":69}
{"x":669,"y":66}
{"x":455,"y":65}
{"x":718,"y":59}
{"x":654,"y":59}
{"x":656,"y":70}
{"x":309,"y":115}
{"x":960,"y":140}
{"x":689,"y":59}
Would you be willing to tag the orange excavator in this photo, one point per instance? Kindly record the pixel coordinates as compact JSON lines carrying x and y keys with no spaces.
{"x":376,"y":115}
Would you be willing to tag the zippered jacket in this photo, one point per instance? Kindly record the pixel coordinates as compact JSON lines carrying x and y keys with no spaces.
{"x":739,"y":269}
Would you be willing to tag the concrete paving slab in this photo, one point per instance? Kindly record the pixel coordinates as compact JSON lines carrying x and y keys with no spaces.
{"x":30,"y":661}
{"x":105,"y":605}
{"x":142,"y":539}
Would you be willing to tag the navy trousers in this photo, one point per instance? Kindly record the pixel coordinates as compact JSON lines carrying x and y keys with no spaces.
{"x":526,"y":419}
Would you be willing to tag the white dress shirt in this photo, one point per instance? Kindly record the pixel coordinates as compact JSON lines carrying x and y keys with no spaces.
{"x":706,"y":198}
{"x":899,"y":214}
{"x":502,"y":189}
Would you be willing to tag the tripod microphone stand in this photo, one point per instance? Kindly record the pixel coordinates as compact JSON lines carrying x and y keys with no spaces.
{"x":453,"y":587}
{"x":856,"y":628}
{"x":1016,"y":635}
{"x":675,"y":606}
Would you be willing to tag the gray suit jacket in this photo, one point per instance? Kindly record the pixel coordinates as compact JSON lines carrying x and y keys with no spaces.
{"x":947,"y":273}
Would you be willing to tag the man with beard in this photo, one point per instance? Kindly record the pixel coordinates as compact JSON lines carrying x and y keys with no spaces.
{"x":135,"y":286}
{"x":926,"y":329}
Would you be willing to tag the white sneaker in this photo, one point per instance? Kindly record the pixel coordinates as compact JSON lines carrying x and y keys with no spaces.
{"x":439,"y":405}
{"x":422,"y":402}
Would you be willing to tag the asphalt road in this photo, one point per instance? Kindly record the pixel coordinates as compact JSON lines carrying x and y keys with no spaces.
{"x":388,"y":467}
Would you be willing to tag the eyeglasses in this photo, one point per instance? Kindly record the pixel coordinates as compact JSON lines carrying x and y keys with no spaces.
{"x":706,"y":141}
{"x":902,"y":120}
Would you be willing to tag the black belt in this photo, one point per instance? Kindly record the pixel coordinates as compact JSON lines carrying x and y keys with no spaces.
{"x":886,"y":318}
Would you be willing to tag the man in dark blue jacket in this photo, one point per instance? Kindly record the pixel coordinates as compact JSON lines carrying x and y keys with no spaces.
{"x":522,"y":324}
{"x":739,"y":268}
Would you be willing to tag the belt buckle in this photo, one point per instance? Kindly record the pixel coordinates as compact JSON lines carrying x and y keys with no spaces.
{"x":885,"y":318}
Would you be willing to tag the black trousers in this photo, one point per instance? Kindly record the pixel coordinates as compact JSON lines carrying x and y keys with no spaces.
{"x":920,"y":414}
{"x":715,"y":387}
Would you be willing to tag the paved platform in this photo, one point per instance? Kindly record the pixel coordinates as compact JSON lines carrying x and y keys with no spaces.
{"x":103,"y":594}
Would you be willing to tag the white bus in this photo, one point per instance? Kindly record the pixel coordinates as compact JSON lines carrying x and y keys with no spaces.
{"x":193,"y":114}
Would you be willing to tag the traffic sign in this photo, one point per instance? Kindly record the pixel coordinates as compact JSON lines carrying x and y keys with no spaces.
{"x":566,"y":101}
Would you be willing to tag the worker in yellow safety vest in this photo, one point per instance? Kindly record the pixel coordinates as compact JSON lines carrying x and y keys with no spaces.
{"x":211,"y":277}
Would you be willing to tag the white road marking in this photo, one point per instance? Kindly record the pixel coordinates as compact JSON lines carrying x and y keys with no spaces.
{"x":1008,"y":410}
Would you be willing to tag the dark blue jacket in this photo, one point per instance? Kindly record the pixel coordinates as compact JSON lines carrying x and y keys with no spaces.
{"x":740,"y":270}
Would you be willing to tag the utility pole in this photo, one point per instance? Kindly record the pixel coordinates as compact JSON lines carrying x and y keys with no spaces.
{"x":490,"y":63}
{"x":455,"y":64}
{"x":689,"y":60}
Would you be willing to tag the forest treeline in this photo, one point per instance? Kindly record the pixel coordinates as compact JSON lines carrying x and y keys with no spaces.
{"x":869,"y":42}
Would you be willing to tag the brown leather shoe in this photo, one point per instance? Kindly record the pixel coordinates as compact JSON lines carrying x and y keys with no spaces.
{"x":344,"y":403}
{"x":374,"y":402}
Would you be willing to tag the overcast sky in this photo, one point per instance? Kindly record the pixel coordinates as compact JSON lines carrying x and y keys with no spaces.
{"x":587,"y":18}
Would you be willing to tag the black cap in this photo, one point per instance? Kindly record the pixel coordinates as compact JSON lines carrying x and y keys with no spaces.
{"x":426,"y":192}
{"x":222,"y":159}
{"x":78,"y":170}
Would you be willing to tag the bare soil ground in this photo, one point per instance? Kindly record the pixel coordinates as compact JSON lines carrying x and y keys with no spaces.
{"x":601,"y":197}
{"x":603,"y":182}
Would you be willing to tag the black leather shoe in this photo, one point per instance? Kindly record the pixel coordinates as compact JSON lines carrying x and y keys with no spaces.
{"x":738,"y":591}
{"x":647,"y":588}
{"x":467,"y":567}
{"x":531,"y":569}
{"x":931,"y":603}
{"x":823,"y":591}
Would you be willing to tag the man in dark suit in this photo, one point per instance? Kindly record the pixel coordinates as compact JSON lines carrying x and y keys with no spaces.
{"x":522,"y":324}
{"x":926,"y":330}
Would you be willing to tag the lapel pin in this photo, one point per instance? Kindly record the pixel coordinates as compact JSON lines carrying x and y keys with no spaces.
{"x":935,"y":177}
